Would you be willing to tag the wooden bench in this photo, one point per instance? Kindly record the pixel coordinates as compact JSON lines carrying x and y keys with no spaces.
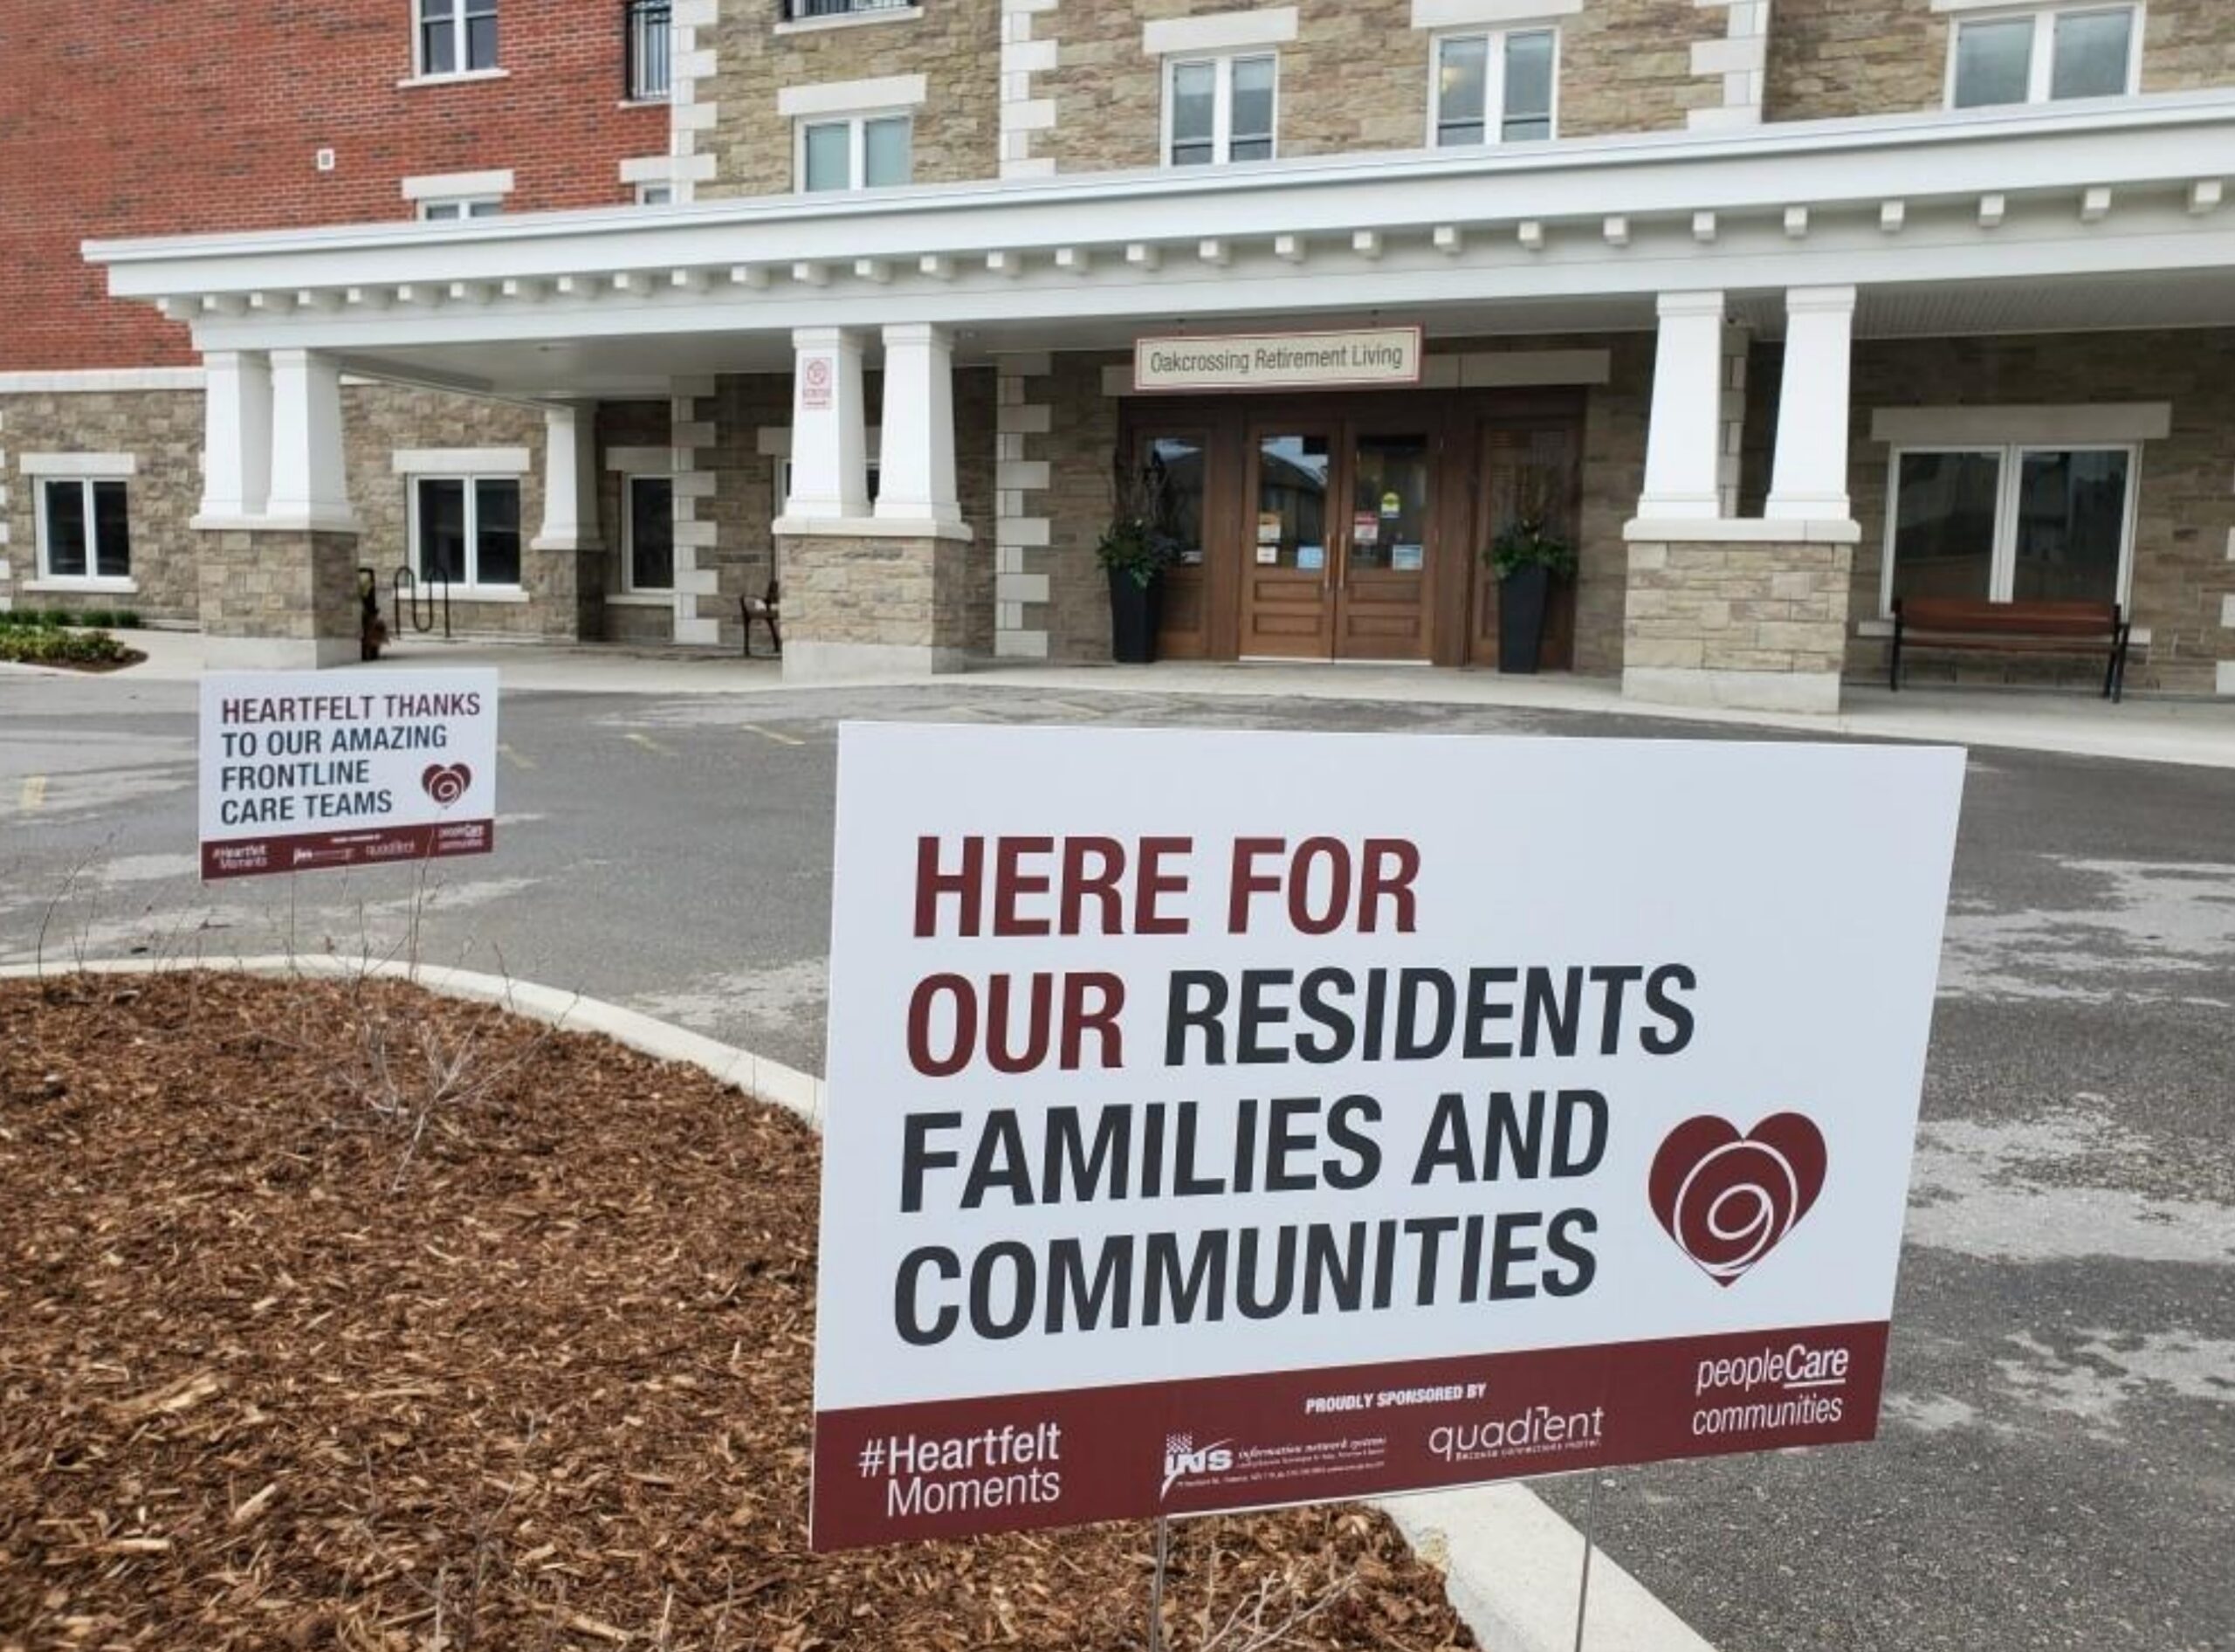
{"x":766,"y":609}
{"x":2019,"y":627}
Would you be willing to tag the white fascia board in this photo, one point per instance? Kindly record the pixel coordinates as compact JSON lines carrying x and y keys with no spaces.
{"x":850,"y":97}
{"x":1220,"y":31}
{"x":1740,"y":175}
{"x":435,"y":186}
{"x":462,"y":461}
{"x":2079,"y":424}
{"x":1490,"y":14}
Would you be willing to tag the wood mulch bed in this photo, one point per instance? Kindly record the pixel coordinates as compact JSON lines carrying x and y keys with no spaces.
{"x":290,"y":1359}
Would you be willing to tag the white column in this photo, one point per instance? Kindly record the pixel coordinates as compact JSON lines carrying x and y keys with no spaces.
{"x":569,"y":478}
{"x":1810,"y":482}
{"x":1682,"y":471}
{"x":916,"y":463}
{"x":310,"y":474}
{"x":830,"y":477}
{"x":235,"y":435}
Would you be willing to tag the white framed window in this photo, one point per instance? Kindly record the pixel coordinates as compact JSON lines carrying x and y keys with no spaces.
{"x":651,"y":193}
{"x":2015,"y":523}
{"x":1221,"y":109}
{"x":2045,"y":55}
{"x":84,"y":530}
{"x":454,"y":36}
{"x":466,"y":529}
{"x":873,"y":151}
{"x":648,"y":532}
{"x":1498,"y":88}
{"x":448,"y":209}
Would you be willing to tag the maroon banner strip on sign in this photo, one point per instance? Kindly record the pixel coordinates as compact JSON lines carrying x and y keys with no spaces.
{"x":954,"y":1468}
{"x":324,"y":851}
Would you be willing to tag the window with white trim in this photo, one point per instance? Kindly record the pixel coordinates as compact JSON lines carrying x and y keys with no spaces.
{"x":2012,"y":524}
{"x":648,"y":534}
{"x":2043,"y":56}
{"x":466,"y":529}
{"x":85,"y":529}
{"x":1220,"y":109}
{"x":447,"y":208}
{"x":455,"y":37}
{"x":855,"y":152}
{"x":1495,"y":88}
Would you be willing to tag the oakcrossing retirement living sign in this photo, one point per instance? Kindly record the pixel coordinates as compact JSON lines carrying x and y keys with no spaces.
{"x":309,"y":770}
{"x":1224,"y":1120}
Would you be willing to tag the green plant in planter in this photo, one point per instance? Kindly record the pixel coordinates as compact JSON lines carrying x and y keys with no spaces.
{"x":1137,"y":548}
{"x":1136,"y":542}
{"x":1530,"y":540}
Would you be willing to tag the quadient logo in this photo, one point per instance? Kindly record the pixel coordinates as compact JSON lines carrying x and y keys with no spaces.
{"x":1182,"y":1461}
{"x":1729,"y":1200}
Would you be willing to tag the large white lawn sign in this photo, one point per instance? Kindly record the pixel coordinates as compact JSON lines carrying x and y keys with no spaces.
{"x":1220,"y":1120}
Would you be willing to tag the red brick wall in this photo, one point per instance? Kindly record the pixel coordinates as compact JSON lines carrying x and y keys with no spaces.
{"x":164,"y":117}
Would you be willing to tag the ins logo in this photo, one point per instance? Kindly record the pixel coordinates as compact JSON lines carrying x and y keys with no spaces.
{"x":1182,"y":1461}
{"x":1729,"y":1200}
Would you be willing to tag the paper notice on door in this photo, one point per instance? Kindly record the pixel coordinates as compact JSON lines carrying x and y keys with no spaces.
{"x":1365,"y":528}
{"x":1310,"y":558}
{"x":1268,"y":528}
{"x":1406,"y":558}
{"x":1268,"y":555}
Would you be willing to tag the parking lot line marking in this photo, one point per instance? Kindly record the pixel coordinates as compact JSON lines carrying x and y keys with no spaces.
{"x":34,"y":790}
{"x":770,"y":733}
{"x":651,"y":745}
{"x":514,"y":758}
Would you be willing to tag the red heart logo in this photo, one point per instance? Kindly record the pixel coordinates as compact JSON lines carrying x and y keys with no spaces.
{"x":447,"y":784}
{"x":1729,"y":1200}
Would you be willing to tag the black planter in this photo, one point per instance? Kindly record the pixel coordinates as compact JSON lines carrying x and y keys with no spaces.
{"x":1521,"y":596}
{"x":1134,"y":611}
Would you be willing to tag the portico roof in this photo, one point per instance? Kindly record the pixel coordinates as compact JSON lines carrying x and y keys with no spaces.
{"x":2058,"y":214}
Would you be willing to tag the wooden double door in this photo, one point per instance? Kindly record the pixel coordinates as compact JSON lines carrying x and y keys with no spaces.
{"x":1350,"y":527}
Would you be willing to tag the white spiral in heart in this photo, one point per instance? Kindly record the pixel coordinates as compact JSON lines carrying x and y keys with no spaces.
{"x":1735,"y":1205}
{"x":446,"y":786}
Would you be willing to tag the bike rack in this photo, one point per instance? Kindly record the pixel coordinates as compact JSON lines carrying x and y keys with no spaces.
{"x":421,"y":610}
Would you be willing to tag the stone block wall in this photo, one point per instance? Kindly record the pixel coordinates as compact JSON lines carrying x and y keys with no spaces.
{"x":863,"y":606}
{"x":1079,"y":439}
{"x":162,"y":430}
{"x":1756,"y":624}
{"x":286,"y":599}
{"x":1356,"y":76}
{"x":2184,"y":532}
{"x":1832,"y":59}
{"x":377,"y":419}
{"x":955,"y":45}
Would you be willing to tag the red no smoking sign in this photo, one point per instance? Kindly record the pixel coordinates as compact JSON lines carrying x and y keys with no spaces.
{"x":816,"y":375}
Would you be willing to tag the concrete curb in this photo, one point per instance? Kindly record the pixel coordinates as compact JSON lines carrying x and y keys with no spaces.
{"x":1509,"y":1559}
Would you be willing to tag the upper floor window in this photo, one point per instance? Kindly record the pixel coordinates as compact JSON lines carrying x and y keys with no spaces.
{"x":648,"y":64}
{"x":1220,"y":109}
{"x":456,"y":36}
{"x":2043,"y":56}
{"x":796,"y":10}
{"x":855,"y":152}
{"x":1495,"y":88}
{"x":448,"y":209}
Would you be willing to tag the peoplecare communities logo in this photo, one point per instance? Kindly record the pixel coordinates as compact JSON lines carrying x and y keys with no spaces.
{"x":1183,"y":1460}
{"x":1729,"y":1200}
{"x":446,"y":782}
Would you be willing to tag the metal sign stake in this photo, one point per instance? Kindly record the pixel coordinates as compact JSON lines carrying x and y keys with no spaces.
{"x":1156,"y":1584}
{"x":1590,"y":1528}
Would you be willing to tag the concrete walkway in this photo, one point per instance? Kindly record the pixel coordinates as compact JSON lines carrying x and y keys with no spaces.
{"x":2198,"y":733}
